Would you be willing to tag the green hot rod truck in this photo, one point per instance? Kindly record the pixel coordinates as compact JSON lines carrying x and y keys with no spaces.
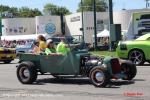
{"x":76,"y":63}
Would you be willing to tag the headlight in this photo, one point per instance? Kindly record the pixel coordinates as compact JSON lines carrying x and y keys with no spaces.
{"x":99,"y":63}
{"x":104,"y":65}
{"x":123,"y":46}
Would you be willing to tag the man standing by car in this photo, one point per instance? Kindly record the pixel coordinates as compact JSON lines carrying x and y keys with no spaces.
{"x":62,"y":47}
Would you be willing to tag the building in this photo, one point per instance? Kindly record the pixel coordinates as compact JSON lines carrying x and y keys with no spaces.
{"x":73,"y":24}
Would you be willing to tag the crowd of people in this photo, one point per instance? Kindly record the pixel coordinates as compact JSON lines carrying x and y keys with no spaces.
{"x":13,"y":43}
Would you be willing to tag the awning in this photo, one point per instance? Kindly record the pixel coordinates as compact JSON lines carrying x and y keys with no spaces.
{"x":21,"y":37}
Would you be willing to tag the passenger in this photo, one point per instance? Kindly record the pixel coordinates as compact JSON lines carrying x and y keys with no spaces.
{"x":50,"y":50}
{"x":62,"y":47}
{"x":50,"y":47}
{"x":42,"y":43}
{"x":36,"y":49}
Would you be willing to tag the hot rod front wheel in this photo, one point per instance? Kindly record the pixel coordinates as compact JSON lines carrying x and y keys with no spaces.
{"x":26,"y":73}
{"x":99,"y":77}
{"x":129,"y":69}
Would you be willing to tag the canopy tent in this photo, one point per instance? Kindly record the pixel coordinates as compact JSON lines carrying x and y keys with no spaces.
{"x":104,"y":33}
{"x":21,"y":37}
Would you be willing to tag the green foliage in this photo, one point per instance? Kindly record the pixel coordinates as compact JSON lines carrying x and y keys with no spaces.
{"x":104,"y":53}
{"x":19,"y":12}
{"x":26,"y":12}
{"x":51,"y":9}
{"x":101,"y":5}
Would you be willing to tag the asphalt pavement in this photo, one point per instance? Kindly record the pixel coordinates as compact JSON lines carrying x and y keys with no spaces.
{"x":49,"y":88}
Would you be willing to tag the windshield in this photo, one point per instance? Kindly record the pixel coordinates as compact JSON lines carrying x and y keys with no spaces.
{"x":144,"y":37}
{"x":27,"y":45}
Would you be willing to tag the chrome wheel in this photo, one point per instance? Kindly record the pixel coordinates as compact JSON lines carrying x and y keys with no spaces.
{"x":24,"y":73}
{"x":99,"y":77}
{"x":136,"y":57}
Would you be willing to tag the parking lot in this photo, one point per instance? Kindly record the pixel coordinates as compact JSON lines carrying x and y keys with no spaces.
{"x":47,"y":87}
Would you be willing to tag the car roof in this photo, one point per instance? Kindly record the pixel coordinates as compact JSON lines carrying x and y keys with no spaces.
{"x":144,"y":37}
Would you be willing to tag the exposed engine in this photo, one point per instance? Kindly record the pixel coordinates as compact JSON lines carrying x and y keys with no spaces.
{"x":88,"y":62}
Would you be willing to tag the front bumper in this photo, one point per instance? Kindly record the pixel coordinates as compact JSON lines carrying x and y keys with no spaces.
{"x":7,"y":57}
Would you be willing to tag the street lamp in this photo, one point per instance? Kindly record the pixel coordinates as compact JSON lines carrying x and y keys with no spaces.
{"x":0,"y":24}
{"x":110,"y":23}
{"x":110,"y":12}
{"x":82,"y":21}
{"x":95,"y":28}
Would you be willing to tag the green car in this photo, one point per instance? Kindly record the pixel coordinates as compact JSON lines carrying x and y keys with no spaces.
{"x":138,"y":50}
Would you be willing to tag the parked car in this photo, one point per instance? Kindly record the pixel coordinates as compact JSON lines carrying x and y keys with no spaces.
{"x":27,"y":48}
{"x":144,"y":24}
{"x":137,"y":50}
{"x":72,"y":41}
{"x":76,"y":63}
{"x":7,"y":54}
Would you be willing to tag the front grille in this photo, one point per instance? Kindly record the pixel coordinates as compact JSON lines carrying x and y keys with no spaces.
{"x":116,"y":68}
{"x":7,"y":52}
{"x":6,"y":57}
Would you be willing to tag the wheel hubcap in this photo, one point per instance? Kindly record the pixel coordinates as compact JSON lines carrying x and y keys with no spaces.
{"x":99,"y":76}
{"x":26,"y":73}
{"x":136,"y":57}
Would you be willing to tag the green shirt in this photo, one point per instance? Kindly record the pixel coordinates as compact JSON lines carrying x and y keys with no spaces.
{"x":61,"y":48}
{"x":49,"y":51}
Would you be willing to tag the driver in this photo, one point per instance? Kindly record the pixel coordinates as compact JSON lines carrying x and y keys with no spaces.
{"x":62,"y":47}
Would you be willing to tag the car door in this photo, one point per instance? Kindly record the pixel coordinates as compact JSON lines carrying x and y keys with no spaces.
{"x":59,"y":64}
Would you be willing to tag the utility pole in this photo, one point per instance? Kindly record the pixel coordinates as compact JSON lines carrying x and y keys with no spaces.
{"x":82,"y":21}
{"x":110,"y":12}
{"x":110,"y":23}
{"x":95,"y":28}
{"x":0,"y":25}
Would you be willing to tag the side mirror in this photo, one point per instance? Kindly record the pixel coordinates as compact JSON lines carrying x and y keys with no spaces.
{"x":137,"y":19}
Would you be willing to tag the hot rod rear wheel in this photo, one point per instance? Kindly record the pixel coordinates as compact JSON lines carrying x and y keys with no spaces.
{"x":99,"y":77}
{"x":129,"y":69}
{"x":26,"y":73}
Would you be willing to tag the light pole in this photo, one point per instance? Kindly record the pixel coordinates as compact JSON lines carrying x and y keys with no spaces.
{"x":95,"y":28}
{"x":0,"y":25}
{"x":82,"y":21}
{"x":110,"y":22}
{"x":110,"y":12}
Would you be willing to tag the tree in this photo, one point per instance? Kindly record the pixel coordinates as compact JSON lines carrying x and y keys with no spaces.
{"x":26,"y":12}
{"x":101,"y":5}
{"x":14,"y":11}
{"x":21,"y":12}
{"x":51,"y":9}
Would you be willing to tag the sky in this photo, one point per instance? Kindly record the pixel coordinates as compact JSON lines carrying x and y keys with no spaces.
{"x":72,"y":5}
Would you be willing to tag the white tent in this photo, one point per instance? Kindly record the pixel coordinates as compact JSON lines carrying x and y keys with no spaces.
{"x":21,"y":37}
{"x":104,"y":33}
